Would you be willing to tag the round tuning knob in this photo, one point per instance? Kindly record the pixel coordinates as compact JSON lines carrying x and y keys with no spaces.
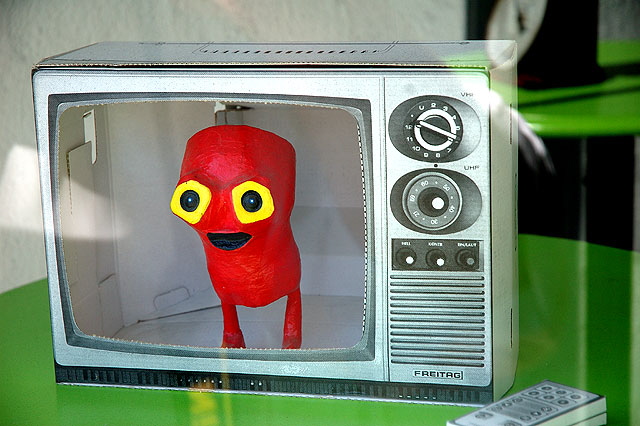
{"x":430,"y":128}
{"x":467,"y":259}
{"x":436,"y":258}
{"x":432,"y":201}
{"x":435,"y":125}
{"x":406,"y":257}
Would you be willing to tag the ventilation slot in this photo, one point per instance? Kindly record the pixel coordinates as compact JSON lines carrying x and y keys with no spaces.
{"x":288,"y":52}
{"x":295,"y":52}
{"x":438,"y":325}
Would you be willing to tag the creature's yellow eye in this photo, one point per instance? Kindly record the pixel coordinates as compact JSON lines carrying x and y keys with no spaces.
{"x":252,"y":202}
{"x":190,"y":200}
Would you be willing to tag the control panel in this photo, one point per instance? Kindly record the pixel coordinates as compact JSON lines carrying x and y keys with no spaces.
{"x":436,"y":255}
{"x":438,"y":174}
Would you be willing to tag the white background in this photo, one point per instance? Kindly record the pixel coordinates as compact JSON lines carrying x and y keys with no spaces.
{"x":31,"y":30}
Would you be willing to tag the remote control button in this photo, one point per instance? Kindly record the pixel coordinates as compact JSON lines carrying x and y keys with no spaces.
{"x":576,"y":396}
{"x":483,"y":415}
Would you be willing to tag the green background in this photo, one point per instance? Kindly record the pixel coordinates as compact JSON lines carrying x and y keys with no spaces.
{"x":579,"y":323}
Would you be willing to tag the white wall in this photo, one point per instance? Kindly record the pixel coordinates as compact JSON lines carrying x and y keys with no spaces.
{"x":31,"y":30}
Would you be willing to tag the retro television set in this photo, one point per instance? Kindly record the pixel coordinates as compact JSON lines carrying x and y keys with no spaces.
{"x":404,"y":216}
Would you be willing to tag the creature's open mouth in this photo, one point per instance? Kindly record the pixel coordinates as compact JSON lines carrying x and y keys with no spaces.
{"x":229,"y":242}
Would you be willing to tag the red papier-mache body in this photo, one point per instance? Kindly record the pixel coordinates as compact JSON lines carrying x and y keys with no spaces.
{"x":237,"y":190}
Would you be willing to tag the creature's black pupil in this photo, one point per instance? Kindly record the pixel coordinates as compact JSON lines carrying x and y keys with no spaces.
{"x":189,"y":200}
{"x":251,"y":201}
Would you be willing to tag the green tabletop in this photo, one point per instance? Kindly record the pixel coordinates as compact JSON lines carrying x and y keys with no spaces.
{"x":579,"y":325}
{"x":610,"y":108}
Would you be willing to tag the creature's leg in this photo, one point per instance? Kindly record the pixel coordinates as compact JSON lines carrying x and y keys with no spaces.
{"x":232,"y":335}
{"x":292,"y":336}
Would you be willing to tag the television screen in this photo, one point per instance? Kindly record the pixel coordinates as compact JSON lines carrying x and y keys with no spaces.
{"x":138,"y":273}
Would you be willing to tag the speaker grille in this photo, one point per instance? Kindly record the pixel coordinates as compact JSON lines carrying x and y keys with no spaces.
{"x":438,"y":323}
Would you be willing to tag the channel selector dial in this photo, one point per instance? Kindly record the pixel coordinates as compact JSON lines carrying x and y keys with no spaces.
{"x":432,"y":201}
{"x":434,"y":125}
{"x":435,"y":201}
{"x":434,"y":128}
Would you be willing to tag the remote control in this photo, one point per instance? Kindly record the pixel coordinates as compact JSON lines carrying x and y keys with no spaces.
{"x":546,"y":403}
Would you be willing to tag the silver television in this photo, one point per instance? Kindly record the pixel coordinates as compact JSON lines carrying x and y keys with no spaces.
{"x":404,"y":216}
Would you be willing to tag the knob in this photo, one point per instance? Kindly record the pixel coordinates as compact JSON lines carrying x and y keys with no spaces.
{"x":436,"y":258}
{"x":433,"y":127}
{"x":432,"y":201}
{"x":467,"y":259}
{"x":406,"y":257}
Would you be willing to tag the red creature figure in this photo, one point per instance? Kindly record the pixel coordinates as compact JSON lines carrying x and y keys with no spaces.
{"x":236,"y":189}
